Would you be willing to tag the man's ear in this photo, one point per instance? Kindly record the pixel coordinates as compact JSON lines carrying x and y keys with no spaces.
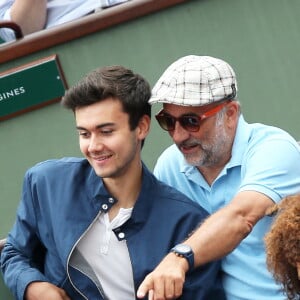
{"x":144,"y":127}
{"x":233,"y":109}
{"x":232,"y":114}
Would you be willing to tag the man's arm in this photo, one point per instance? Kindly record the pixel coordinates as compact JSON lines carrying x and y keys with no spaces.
{"x":30,"y":15}
{"x":22,"y":258}
{"x":216,"y":237}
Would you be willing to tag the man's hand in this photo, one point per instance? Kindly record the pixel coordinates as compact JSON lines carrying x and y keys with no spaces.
{"x":166,"y":281}
{"x":44,"y":290}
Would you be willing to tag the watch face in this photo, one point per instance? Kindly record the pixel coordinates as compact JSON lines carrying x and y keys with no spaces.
{"x":183,"y":248}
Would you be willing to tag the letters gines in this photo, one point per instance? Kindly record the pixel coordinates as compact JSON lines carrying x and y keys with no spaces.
{"x":12,"y":93}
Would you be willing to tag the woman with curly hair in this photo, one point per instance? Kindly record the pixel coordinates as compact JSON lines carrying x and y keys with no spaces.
{"x":283,"y":245}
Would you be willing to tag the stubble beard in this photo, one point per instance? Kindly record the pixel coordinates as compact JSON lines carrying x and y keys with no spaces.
{"x":211,"y":151}
{"x":119,"y":165}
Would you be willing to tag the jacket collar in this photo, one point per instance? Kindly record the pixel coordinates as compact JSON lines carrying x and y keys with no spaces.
{"x":104,"y":201}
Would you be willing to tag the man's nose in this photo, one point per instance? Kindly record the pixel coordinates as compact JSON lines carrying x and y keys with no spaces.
{"x":95,"y":144}
{"x":179,"y":134}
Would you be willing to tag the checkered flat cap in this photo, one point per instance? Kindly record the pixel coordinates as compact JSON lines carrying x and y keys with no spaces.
{"x":195,"y":81}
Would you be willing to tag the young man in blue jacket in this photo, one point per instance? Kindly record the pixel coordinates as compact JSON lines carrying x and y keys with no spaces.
{"x":94,"y":227}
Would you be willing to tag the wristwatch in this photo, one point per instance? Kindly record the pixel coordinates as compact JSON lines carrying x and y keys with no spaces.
{"x":183,"y":250}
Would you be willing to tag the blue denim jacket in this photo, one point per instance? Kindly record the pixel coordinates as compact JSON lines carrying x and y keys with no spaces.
{"x":61,"y":198}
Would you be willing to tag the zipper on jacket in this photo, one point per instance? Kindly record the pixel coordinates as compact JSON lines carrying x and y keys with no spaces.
{"x":134,"y":287}
{"x":69,"y":257}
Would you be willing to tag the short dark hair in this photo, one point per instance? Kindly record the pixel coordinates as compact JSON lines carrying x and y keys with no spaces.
{"x":118,"y":82}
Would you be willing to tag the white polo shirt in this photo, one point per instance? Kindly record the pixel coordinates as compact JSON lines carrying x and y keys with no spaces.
{"x":109,"y":257}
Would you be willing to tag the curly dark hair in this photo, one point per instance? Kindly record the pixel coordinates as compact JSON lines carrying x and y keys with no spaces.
{"x":283,"y":245}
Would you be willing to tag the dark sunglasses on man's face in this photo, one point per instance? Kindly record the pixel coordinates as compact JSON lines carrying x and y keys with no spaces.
{"x":190,"y":122}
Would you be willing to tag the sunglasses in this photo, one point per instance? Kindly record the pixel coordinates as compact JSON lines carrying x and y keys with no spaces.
{"x":190,"y":122}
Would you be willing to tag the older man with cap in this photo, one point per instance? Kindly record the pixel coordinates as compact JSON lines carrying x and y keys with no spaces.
{"x":235,"y":170}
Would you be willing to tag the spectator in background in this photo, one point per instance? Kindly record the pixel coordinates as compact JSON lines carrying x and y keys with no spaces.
{"x":283,"y":245}
{"x":35,"y":15}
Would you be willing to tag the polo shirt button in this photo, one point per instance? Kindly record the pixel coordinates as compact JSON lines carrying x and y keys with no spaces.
{"x":121,"y":235}
{"x":111,"y":200}
{"x":104,"y":206}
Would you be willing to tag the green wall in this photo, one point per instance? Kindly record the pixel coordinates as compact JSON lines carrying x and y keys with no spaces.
{"x":259,"y":38}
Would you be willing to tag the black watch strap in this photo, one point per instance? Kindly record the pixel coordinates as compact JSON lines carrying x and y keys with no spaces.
{"x":184,"y":250}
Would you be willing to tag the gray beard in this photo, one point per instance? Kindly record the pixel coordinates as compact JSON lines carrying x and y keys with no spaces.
{"x":212,"y":152}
